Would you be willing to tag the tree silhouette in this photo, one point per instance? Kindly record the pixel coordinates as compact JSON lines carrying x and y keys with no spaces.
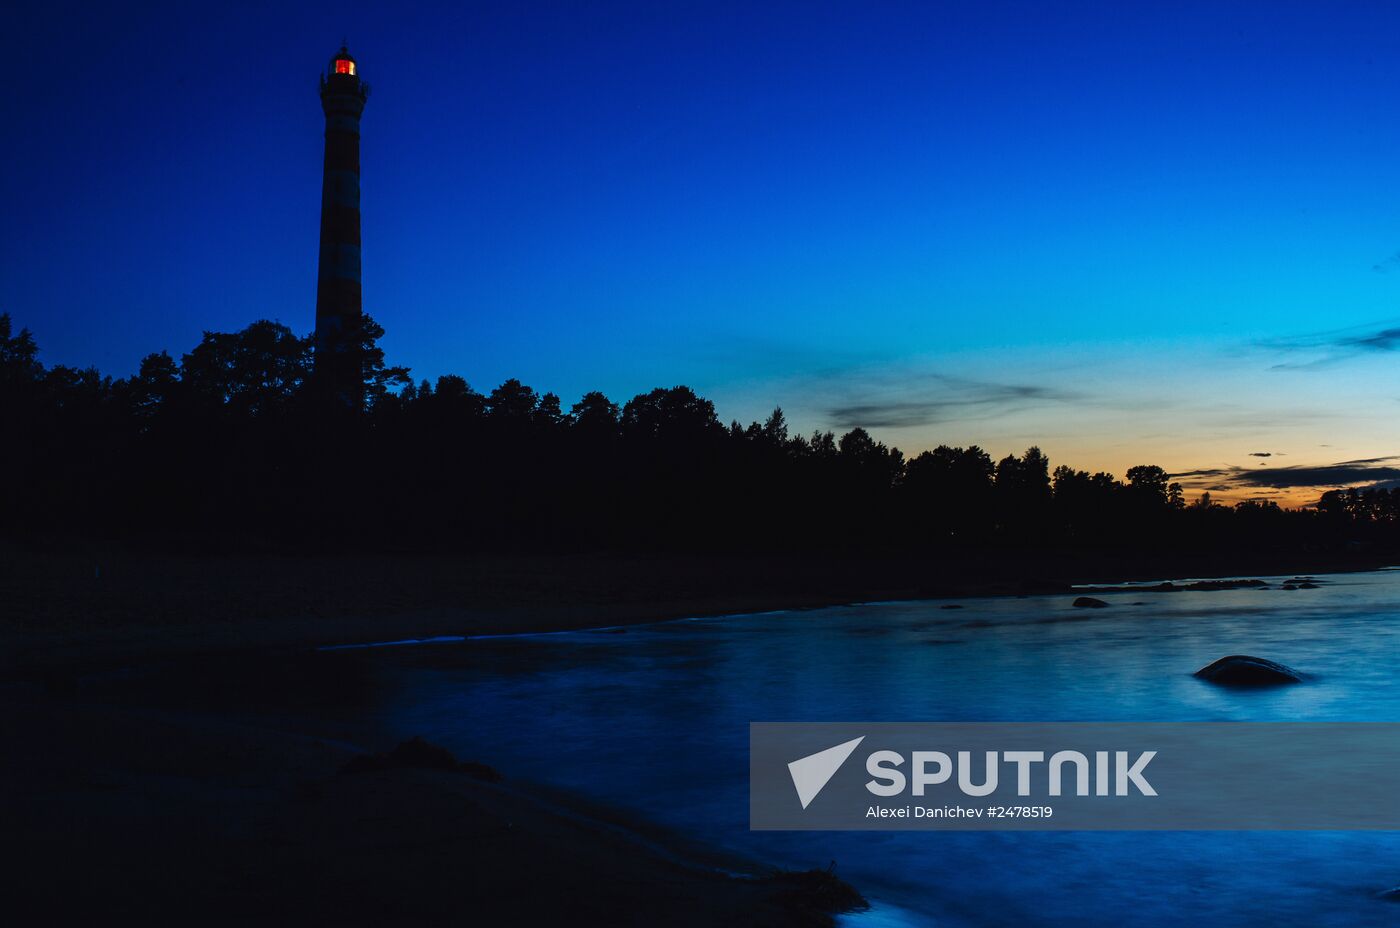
{"x":379,"y":379}
{"x":512,"y":401}
{"x":1149,"y":482}
{"x":672,"y":415}
{"x":595,"y":416}
{"x":227,"y":447}
{"x":254,"y":372}
{"x":19,"y":356}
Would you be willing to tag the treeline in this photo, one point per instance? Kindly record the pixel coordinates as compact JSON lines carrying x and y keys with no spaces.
{"x":228,"y":447}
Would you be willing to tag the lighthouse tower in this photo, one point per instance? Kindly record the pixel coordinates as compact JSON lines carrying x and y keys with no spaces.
{"x":338,"y":313}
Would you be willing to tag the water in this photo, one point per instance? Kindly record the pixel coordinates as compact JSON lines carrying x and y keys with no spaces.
{"x":655,"y":719}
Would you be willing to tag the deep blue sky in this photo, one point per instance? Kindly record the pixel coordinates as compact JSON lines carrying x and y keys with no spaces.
{"x":1128,"y":233}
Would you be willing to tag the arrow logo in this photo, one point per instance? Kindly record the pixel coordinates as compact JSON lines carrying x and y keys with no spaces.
{"x":811,"y":773}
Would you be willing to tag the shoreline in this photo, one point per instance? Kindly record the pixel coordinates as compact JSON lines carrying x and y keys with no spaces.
{"x":67,"y":616}
{"x":269,"y":823}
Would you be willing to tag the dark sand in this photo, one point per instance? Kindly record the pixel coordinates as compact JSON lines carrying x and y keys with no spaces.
{"x":121,"y":814}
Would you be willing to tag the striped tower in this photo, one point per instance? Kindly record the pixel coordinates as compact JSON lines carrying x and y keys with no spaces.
{"x":338,"y":313}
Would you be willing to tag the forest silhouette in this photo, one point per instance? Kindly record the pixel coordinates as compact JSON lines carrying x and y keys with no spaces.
{"x":228,"y":448}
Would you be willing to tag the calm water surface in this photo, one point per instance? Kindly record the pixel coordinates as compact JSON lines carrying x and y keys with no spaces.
{"x":655,"y":719}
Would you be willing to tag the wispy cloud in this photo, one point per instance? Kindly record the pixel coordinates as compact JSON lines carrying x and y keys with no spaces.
{"x":1321,"y":349}
{"x":1365,"y":471}
{"x":929,"y":399}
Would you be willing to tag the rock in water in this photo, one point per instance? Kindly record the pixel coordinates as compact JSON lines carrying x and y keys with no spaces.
{"x":1243,"y":670}
{"x":1089,"y":602}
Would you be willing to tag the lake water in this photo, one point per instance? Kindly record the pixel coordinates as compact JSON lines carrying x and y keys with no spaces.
{"x":655,"y":719}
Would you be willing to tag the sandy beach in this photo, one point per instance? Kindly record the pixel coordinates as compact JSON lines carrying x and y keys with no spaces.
{"x":182,"y":815}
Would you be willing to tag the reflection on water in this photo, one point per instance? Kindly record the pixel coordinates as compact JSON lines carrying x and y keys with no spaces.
{"x":655,"y":719}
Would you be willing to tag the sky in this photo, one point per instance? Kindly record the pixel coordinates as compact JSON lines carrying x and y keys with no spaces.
{"x":1126,"y":233}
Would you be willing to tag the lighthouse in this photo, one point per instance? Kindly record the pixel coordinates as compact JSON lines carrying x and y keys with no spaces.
{"x":337,"y":340}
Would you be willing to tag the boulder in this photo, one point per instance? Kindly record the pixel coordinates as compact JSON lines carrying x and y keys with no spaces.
{"x":1089,"y":602}
{"x":1243,"y":670}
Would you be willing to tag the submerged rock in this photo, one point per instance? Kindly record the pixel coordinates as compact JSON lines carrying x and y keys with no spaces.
{"x":1243,"y":670}
{"x":1089,"y":602}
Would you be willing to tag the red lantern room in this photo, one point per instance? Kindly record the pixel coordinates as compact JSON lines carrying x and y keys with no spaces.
{"x":343,"y":63}
{"x":342,"y":91}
